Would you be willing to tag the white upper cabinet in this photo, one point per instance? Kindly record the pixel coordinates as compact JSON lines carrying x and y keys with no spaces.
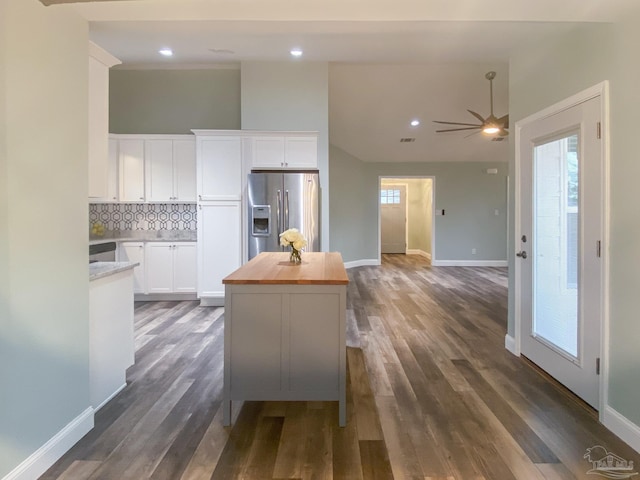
{"x":268,"y":152}
{"x":219,"y":161}
{"x":98,"y":122}
{"x":184,"y":170}
{"x":170,"y":170}
{"x":301,"y":152}
{"x":131,"y":169}
{"x":284,"y":150}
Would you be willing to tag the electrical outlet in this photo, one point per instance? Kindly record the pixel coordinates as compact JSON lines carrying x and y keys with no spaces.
{"x":473,"y":251}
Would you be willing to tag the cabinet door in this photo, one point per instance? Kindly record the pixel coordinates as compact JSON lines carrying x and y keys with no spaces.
{"x":159,"y":267}
{"x":185,"y":267}
{"x":301,"y":152}
{"x":219,"y":245}
{"x":131,"y":160}
{"x":134,"y":252}
{"x":112,"y":176}
{"x":184,"y":170}
{"x":159,"y":170}
{"x":314,"y":342}
{"x":268,"y":152}
{"x":219,"y":168}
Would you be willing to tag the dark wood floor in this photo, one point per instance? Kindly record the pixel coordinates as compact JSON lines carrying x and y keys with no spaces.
{"x":432,"y":394}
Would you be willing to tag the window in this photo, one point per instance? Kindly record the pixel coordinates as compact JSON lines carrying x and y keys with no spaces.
{"x":389,"y":196}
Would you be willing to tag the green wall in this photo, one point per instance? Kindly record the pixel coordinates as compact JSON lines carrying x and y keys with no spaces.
{"x":550,"y":71}
{"x":44,"y":283}
{"x":173,"y":101}
{"x":467,"y":194}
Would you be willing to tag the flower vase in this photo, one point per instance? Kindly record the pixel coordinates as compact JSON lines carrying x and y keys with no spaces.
{"x":295,"y":256}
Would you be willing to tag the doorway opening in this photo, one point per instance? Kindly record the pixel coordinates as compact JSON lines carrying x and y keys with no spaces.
{"x":406,"y":216}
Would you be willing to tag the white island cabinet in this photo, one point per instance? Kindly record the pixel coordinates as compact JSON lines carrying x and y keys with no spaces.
{"x":111,"y":344}
{"x":285,"y":330}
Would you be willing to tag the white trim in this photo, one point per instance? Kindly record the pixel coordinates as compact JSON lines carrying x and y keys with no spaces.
{"x":372,"y":262}
{"x":469,"y":263}
{"x":622,"y":427}
{"x":102,"y":56}
{"x":108,"y":399}
{"x":600,"y":90}
{"x":42,"y":459}
{"x":510,"y":344}
{"x":212,"y":301}
{"x":433,"y":208}
{"x":417,"y":251}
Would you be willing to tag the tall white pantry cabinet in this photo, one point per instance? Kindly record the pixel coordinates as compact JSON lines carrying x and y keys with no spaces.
{"x":220,"y":174}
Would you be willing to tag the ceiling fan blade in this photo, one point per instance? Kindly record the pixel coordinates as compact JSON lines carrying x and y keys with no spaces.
{"x":504,"y":120}
{"x":458,"y":129}
{"x":472,"y":134}
{"x":457,"y":123}
{"x":477,"y":115}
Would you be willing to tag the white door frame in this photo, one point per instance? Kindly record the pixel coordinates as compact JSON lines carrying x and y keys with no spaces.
{"x":390,"y":182}
{"x":433,"y":210}
{"x":600,"y":90}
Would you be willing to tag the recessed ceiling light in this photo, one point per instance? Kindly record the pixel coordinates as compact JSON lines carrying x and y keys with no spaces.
{"x":296,"y":52}
{"x":415,"y":123}
{"x":166,"y":52}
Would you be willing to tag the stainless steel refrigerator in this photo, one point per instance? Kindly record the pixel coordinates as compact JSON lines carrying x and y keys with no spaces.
{"x":278,"y":201}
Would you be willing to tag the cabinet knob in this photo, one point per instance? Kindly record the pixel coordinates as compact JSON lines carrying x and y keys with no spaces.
{"x":141,"y":198}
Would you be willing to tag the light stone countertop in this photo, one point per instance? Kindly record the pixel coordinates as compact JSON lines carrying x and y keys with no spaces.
{"x":145,"y":236}
{"x":104,"y":269}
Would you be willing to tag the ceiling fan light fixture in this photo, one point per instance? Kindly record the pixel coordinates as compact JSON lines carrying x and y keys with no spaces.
{"x":490,"y":129}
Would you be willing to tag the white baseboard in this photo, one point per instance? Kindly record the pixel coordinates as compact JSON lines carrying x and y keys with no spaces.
{"x":417,"y":251}
{"x":122,"y":387}
{"x":49,"y":453}
{"x":212,"y":301}
{"x":510,"y":344}
{"x":622,"y":427}
{"x":373,"y":262}
{"x":470,"y":263}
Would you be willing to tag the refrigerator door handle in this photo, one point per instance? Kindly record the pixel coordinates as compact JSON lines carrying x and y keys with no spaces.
{"x":278,"y":216}
{"x":286,"y":209}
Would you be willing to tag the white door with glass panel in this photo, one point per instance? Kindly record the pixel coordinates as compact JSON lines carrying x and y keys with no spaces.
{"x":561,"y":218}
{"x":393,"y":218}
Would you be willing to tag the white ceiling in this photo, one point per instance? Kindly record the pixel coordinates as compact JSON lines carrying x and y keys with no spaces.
{"x":390,"y":61}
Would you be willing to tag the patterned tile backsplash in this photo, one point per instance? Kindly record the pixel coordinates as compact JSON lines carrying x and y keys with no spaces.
{"x":144,"y":216}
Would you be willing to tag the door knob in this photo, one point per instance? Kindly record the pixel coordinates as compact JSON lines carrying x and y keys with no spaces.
{"x":521,"y":254}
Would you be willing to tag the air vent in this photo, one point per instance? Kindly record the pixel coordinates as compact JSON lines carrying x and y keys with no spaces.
{"x":407,"y":140}
{"x":497,"y":139}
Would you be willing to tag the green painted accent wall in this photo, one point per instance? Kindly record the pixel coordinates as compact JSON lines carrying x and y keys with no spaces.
{"x":173,"y":101}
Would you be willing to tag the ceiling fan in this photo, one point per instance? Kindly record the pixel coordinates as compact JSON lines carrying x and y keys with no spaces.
{"x":491,"y":125}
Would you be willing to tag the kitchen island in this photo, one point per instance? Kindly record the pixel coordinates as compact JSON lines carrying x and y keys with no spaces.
{"x":285,"y":330}
{"x":111,"y":344}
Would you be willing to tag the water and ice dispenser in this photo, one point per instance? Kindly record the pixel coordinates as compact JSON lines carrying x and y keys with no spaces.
{"x":261,"y":220}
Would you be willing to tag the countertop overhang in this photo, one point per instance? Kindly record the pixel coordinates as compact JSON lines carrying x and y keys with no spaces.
{"x":274,"y":268}
{"x":104,"y":269}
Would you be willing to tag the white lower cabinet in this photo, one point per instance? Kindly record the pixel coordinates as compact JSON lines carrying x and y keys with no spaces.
{"x":134,"y":252}
{"x":219,"y":247}
{"x":171,"y":267}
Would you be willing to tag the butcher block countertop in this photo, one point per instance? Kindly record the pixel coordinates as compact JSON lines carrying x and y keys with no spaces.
{"x":274,"y":268}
